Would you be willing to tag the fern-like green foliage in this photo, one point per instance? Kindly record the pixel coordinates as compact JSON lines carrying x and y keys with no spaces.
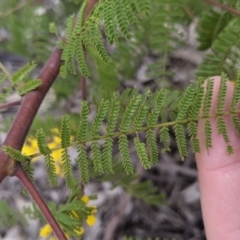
{"x":70,"y":215}
{"x":117,"y":16}
{"x":219,"y":33}
{"x":130,"y":119}
{"x":18,"y":81}
{"x":143,"y":113}
{"x":30,"y":39}
{"x":160,"y":28}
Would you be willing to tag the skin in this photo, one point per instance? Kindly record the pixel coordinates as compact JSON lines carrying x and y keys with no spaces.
{"x":219,"y":177}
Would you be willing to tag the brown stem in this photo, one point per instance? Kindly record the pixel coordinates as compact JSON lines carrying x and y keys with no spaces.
{"x":224,"y":7}
{"x":27,"y":111}
{"x":19,"y":130}
{"x":11,"y":104}
{"x":40,"y":202}
{"x":21,"y":125}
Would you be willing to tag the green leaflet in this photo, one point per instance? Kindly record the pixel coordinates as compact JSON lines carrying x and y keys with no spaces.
{"x":152,"y":146}
{"x":66,"y":161}
{"x":165,"y":138}
{"x":142,"y":153}
{"x":123,"y":148}
{"x":192,"y":132}
{"x":49,"y":161}
{"x":207,"y":103}
{"x":222,"y":94}
{"x":83,"y":124}
{"x":186,"y":102}
{"x":18,"y":81}
{"x":113,"y":112}
{"x":97,"y":157}
{"x":181,"y":140}
{"x":16,"y":154}
{"x":82,"y":162}
{"x":29,"y":86}
{"x":159,"y":100}
{"x":107,"y":155}
{"x":208,"y":134}
{"x":101,"y":113}
{"x":131,"y":108}
{"x":19,"y":76}
{"x":65,"y":132}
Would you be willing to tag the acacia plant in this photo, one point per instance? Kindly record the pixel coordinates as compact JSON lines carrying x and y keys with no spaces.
{"x":102,"y":45}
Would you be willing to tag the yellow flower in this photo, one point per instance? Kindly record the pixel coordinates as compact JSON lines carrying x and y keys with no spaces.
{"x":79,"y":231}
{"x":53,"y":144}
{"x":85,"y":199}
{"x":45,"y":231}
{"x":30,"y":147}
{"x":91,"y":220}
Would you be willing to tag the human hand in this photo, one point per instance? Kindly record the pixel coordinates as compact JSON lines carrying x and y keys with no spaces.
{"x":219,"y":177}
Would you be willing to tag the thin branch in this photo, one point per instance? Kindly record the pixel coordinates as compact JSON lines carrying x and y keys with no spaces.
{"x":40,"y":203}
{"x":19,"y":130}
{"x":29,"y":107}
{"x":224,"y":7}
{"x":21,"y":125}
{"x":14,"y":9}
{"x":11,"y":104}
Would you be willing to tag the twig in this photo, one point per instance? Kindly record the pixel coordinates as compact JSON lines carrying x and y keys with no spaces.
{"x":29,"y":107}
{"x":21,"y":125}
{"x":19,"y":130}
{"x":14,"y":9}
{"x":224,"y":7}
{"x":40,"y":203}
{"x":7,"y":105}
